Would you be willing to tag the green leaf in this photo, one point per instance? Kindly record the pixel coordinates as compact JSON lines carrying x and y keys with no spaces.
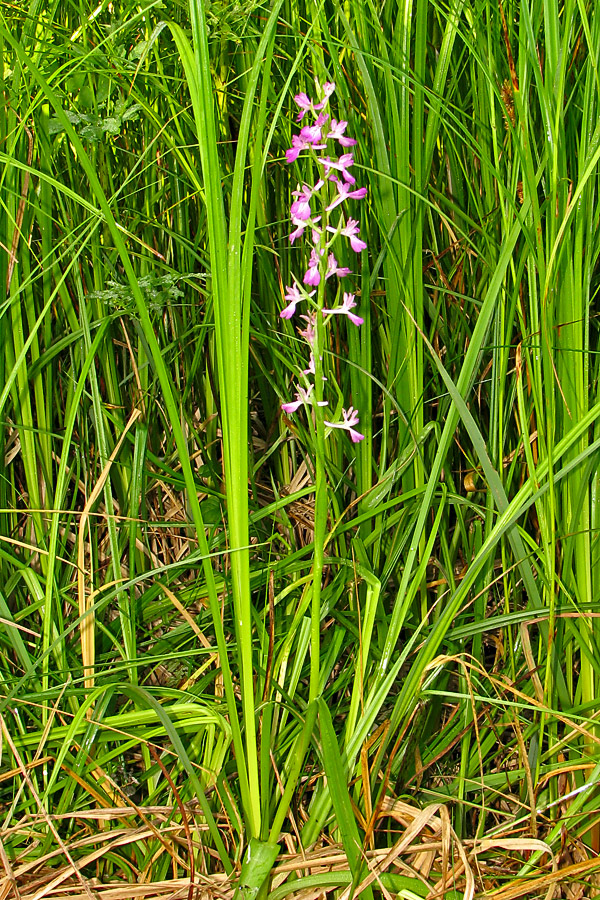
{"x":258,"y":862}
{"x":337,"y":780}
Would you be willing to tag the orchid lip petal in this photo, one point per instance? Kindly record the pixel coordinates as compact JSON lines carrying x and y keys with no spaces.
{"x":357,"y":245}
{"x":288,"y":312}
{"x":291,"y":407}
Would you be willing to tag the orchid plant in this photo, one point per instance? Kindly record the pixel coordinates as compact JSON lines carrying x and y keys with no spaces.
{"x":336,"y":180}
{"x":318,"y":215}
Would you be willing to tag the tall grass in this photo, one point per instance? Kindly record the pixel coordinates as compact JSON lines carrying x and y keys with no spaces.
{"x":158,"y":538}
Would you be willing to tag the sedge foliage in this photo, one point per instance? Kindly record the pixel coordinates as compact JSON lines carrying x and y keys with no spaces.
{"x":157,"y":507}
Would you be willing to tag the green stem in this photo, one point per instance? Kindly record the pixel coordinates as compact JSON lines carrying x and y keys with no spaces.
{"x":320,"y":486}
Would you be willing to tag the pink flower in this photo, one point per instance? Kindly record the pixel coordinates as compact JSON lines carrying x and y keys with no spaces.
{"x":311,"y":367}
{"x":300,"y":208}
{"x":334,"y":269}
{"x":293,"y":295}
{"x":350,"y":230}
{"x":350,"y":418}
{"x":300,"y":226}
{"x":312,"y":275}
{"x":312,"y":133}
{"x":302,"y":396}
{"x":305,"y":104}
{"x":294,"y":151}
{"x":337,"y":132}
{"x":344,"y":193}
{"x":344,"y":310}
{"x":300,"y":211}
{"x":342,"y":164}
{"x":309,"y":332}
{"x":292,"y":407}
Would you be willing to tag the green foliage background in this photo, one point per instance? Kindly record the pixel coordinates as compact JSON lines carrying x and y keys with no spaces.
{"x":156,"y":506}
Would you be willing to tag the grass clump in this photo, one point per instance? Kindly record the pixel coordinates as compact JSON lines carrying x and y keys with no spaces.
{"x":236,"y":656}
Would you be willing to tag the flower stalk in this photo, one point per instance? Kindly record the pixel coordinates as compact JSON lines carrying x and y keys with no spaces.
{"x":320,"y":527}
{"x":333,"y":188}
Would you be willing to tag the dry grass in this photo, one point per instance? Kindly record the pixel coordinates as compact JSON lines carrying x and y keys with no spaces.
{"x":426,"y":850}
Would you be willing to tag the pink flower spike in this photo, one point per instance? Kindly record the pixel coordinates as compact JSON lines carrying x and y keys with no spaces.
{"x":344,"y":310}
{"x":350,"y":230}
{"x":350,"y":418}
{"x":337,"y":133}
{"x":328,"y":89}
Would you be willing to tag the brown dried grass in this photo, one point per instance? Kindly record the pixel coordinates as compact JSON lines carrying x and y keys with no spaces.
{"x":426,"y":850}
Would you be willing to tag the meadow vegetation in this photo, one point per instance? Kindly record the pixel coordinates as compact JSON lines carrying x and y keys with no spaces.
{"x":182,"y":712}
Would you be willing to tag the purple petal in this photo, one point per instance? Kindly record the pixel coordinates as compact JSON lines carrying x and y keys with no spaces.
{"x":288,"y":312}
{"x":300,"y":209}
{"x":356,"y":436}
{"x":357,"y":245}
{"x":294,"y":234}
{"x":303,"y":100}
{"x":356,"y":320}
{"x":311,"y":134}
{"x":291,"y":407}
